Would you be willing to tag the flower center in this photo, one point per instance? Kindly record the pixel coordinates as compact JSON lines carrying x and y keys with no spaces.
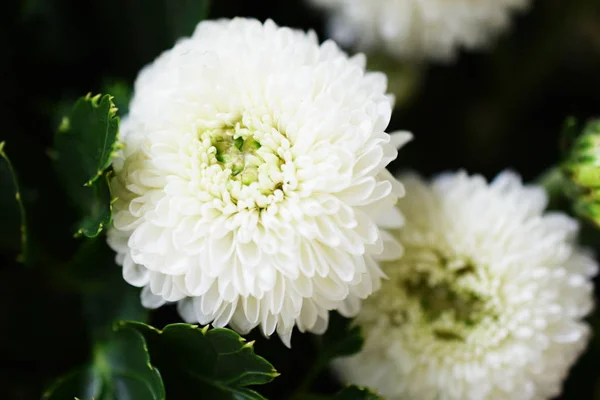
{"x":244,"y":164}
{"x":239,"y":155}
{"x":442,"y":294}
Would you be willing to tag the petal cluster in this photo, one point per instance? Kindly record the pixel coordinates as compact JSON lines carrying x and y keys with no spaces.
{"x":252,"y":172}
{"x":419,"y":28}
{"x":487,"y":301}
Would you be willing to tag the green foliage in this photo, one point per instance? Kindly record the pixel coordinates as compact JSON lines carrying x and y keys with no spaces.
{"x":581,"y":167}
{"x":583,"y":160}
{"x":119,"y":366}
{"x":341,"y":339}
{"x":120,"y":369}
{"x":87,"y":137}
{"x":107,"y":298}
{"x":99,"y":209}
{"x":13,"y":231}
{"x":83,"y":148}
{"x":211,"y":364}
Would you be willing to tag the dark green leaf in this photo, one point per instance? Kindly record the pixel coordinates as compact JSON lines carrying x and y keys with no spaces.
{"x":87,"y":137}
{"x":112,"y":299}
{"x":216,"y":363}
{"x":117,"y":300}
{"x":120,"y":370}
{"x":341,"y":339}
{"x":98,"y":208}
{"x":83,"y":149}
{"x":107,"y":298}
{"x":13,"y":232}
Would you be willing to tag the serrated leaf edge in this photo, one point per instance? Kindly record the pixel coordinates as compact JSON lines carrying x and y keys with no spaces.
{"x":204,"y":330}
{"x":112,"y":115}
{"x":80,"y":232}
{"x":95,"y":101}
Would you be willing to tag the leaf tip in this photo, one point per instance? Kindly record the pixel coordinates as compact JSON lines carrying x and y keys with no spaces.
{"x":95,"y":99}
{"x":119,"y":324}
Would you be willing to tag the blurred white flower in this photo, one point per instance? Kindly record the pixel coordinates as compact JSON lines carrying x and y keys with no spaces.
{"x":253,"y":170}
{"x":487,"y":301}
{"x":414,"y":29}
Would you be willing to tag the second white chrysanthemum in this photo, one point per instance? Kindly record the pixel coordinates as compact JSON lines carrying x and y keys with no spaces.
{"x":419,"y":28}
{"x":253,"y":170}
{"x":486,"y":303}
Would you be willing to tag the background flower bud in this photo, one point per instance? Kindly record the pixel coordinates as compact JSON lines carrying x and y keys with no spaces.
{"x":582,"y":168}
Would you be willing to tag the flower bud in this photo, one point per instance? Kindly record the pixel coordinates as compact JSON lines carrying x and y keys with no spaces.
{"x":582,"y":168}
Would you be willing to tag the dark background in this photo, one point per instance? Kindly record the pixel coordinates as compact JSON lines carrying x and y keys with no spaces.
{"x":487,"y":111}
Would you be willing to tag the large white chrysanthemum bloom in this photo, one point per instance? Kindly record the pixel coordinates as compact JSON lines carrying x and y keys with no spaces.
{"x":419,"y":28}
{"x":487,"y":301}
{"x":252,"y":172}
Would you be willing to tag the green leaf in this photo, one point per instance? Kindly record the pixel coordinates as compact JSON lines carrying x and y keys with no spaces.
{"x":83,"y":148}
{"x":106,"y":299}
{"x":87,"y":137}
{"x":212,"y":364}
{"x":106,"y":296}
{"x":341,"y":338}
{"x":13,"y":231}
{"x":99,"y":208}
{"x":356,"y":393}
{"x":109,"y":298}
{"x":120,"y":370}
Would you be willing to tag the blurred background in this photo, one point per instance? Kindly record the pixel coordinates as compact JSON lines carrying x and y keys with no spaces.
{"x":487,"y":111}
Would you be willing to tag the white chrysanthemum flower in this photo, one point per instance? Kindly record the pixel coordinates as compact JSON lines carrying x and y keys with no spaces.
{"x":487,"y":301}
{"x":252,"y":172}
{"x":419,"y":28}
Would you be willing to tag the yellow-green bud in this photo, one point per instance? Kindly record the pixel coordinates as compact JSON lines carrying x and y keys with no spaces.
{"x":582,"y":168}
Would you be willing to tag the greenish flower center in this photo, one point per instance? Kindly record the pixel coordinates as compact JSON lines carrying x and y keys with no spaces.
{"x":244,"y":163}
{"x":441,"y":294}
{"x":239,"y":155}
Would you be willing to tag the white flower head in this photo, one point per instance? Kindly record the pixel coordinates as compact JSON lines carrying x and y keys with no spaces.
{"x":252,"y":172}
{"x":416,"y":29}
{"x":487,"y":301}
